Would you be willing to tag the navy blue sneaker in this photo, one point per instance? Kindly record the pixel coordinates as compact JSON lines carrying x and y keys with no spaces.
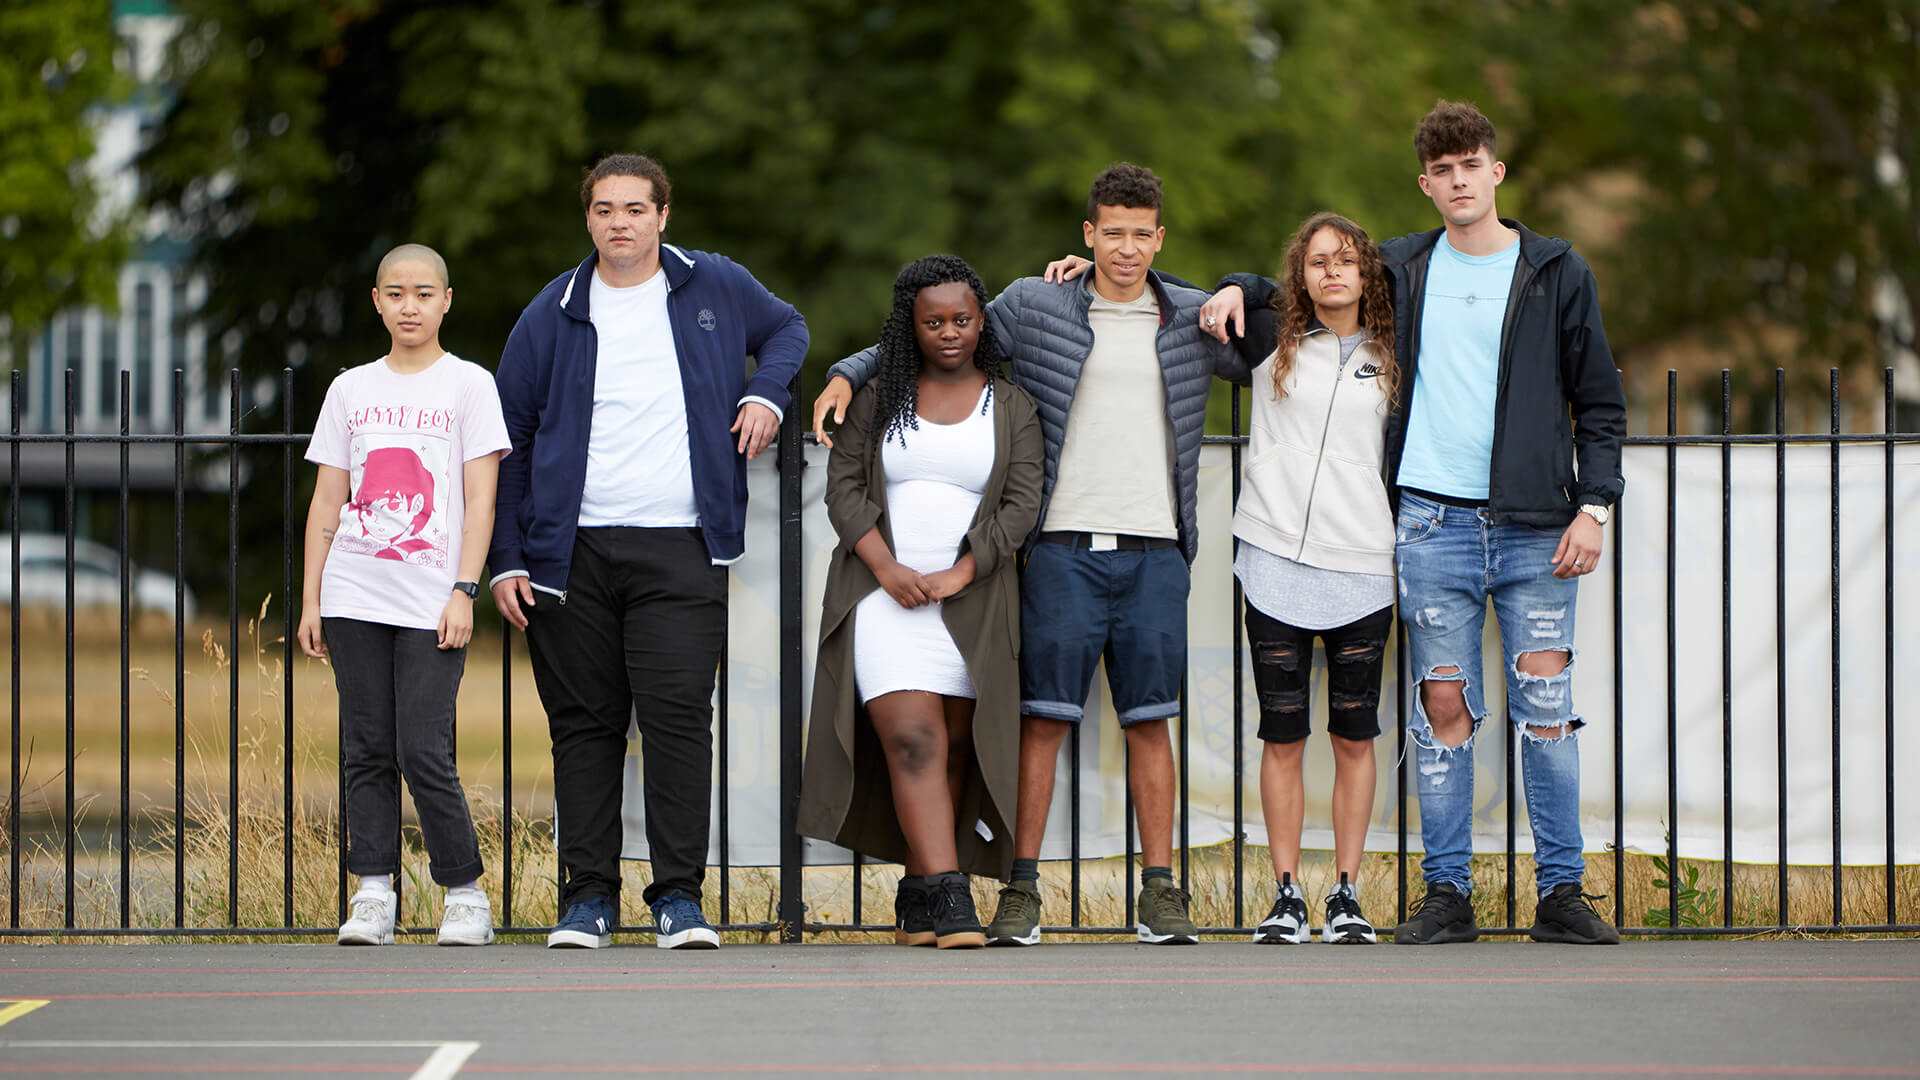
{"x":681,"y":925}
{"x":588,"y":924}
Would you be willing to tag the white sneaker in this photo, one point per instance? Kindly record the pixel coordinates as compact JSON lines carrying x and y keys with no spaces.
{"x":466,"y":924}
{"x":370,"y":919}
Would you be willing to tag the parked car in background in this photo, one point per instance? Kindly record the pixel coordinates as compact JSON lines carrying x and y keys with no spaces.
{"x":96,"y":577}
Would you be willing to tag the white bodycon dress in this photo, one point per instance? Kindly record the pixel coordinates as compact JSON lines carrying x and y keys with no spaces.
{"x":934,"y":483}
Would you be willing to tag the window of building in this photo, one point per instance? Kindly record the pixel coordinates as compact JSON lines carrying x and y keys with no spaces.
{"x":109,"y":365}
{"x":177,"y":340}
{"x":75,"y":359}
{"x":143,"y":351}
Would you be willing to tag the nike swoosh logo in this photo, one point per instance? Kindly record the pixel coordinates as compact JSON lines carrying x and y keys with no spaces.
{"x":1371,"y":371}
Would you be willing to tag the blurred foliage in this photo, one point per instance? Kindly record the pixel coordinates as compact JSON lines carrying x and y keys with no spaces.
{"x":59,"y":245}
{"x":1742,"y":174}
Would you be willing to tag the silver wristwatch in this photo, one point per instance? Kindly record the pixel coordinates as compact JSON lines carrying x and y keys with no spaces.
{"x":1600,"y":514}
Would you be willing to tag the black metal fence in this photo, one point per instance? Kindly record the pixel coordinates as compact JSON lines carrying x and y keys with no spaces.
{"x":791,"y":920}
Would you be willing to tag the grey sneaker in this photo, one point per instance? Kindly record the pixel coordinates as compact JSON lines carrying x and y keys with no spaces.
{"x":1163,"y":915}
{"x":1017,"y":922}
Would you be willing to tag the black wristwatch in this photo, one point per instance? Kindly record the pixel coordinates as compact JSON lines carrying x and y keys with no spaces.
{"x":471,"y":588}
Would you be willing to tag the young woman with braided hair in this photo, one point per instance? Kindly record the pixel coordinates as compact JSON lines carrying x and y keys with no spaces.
{"x":933,"y":484}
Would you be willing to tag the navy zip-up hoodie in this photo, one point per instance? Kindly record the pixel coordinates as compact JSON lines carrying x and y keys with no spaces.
{"x":719,"y":315}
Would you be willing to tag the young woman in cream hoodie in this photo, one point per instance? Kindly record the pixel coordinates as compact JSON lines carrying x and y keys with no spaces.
{"x":1314,"y":550}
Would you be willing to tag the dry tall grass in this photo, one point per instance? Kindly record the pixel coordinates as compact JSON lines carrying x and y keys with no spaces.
{"x":234,"y":870}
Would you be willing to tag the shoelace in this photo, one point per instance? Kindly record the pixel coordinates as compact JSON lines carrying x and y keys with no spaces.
{"x":1435,"y":899}
{"x":1019,"y":902}
{"x":1341,"y":902}
{"x":463,"y":913}
{"x":581,"y":915}
{"x":1173,"y":897}
{"x":681,"y":913}
{"x":1284,"y":904}
{"x":946,"y":895}
{"x":1585,"y":900}
{"x":370,"y":909}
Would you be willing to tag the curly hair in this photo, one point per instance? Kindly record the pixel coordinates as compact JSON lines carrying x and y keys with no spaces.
{"x":1295,"y":306}
{"x":639,"y":166}
{"x":900,"y":359}
{"x":1452,"y":127}
{"x":1124,"y":184}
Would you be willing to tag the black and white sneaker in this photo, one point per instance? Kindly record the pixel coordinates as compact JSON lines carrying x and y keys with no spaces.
{"x":1286,"y":924}
{"x":1345,"y":924}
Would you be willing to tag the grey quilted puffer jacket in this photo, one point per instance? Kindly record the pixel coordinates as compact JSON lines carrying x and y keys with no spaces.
{"x":1045,"y":331}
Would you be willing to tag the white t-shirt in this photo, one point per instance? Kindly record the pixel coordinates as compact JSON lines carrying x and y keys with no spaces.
{"x":639,"y":465}
{"x":404,"y":441}
{"x":1116,"y":458}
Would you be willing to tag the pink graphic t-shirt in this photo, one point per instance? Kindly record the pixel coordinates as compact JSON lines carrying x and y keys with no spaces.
{"x":404,"y":441}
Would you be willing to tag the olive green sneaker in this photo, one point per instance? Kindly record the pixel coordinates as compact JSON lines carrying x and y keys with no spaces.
{"x":1017,"y":922}
{"x":1163,"y":914}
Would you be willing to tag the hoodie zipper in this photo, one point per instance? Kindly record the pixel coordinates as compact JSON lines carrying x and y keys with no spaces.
{"x":1319,"y":459}
{"x":1509,"y":324}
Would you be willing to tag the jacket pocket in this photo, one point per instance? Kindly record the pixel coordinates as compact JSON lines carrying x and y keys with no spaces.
{"x":1276,"y":485}
{"x":1350,"y":508}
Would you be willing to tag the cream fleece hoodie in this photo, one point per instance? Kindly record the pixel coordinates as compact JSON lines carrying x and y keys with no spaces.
{"x":1313,"y":488}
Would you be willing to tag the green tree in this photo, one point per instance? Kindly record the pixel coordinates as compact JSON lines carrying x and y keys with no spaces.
{"x":60,"y":243}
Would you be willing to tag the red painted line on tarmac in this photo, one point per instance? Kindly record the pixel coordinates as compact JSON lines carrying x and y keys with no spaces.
{"x":1347,"y":1068}
{"x":198,"y":1068}
{"x":677,"y":986}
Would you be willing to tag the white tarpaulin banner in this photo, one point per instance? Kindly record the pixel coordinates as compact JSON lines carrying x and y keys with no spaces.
{"x":752,"y":767}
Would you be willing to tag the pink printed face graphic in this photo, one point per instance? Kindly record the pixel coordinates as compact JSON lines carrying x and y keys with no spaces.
{"x":395,"y":499}
{"x":390,"y":517}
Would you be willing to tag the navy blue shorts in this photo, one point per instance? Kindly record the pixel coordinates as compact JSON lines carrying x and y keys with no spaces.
{"x":1077,"y":606}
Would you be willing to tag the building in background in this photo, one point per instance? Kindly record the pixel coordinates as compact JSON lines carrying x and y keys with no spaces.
{"x":152,"y":333}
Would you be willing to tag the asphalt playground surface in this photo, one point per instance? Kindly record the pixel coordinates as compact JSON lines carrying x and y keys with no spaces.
{"x":1668,"y":1008}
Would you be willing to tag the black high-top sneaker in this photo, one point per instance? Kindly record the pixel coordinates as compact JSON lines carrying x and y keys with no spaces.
{"x":956,"y":925}
{"x":912,"y":922}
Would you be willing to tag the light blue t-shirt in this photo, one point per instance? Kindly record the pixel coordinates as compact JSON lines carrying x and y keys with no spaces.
{"x":1449,"y":447}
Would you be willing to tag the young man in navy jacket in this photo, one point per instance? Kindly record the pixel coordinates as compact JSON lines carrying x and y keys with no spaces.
{"x":1504,"y":457}
{"x":627,"y":400}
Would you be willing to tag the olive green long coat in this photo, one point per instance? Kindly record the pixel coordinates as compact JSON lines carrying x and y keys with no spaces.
{"x":846,"y":796}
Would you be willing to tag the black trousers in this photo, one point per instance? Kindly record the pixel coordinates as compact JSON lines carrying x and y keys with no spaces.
{"x":638,"y":636}
{"x":1283,"y":674}
{"x":397,"y":690}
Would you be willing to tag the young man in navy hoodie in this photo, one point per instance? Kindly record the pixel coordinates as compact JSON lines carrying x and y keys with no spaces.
{"x":625,"y":391}
{"x":1503,"y":453}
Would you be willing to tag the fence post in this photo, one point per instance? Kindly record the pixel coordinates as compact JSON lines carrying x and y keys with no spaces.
{"x":792,"y":912}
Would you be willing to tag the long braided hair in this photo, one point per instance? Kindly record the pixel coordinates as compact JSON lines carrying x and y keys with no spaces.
{"x":900,"y":358}
{"x":1295,"y":305}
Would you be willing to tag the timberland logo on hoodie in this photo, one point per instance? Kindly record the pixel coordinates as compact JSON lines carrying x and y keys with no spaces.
{"x":1369,"y":370}
{"x":706,"y":319}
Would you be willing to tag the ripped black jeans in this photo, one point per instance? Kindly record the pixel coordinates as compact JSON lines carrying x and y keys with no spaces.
{"x":1283,"y":675}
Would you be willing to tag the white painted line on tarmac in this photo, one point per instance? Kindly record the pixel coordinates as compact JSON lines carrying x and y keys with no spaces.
{"x":446,"y":1061}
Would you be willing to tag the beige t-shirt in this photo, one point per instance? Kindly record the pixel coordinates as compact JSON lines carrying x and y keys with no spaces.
{"x":1116,"y":463}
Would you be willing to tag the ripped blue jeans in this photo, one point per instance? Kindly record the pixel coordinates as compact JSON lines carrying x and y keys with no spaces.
{"x":1450,"y":561}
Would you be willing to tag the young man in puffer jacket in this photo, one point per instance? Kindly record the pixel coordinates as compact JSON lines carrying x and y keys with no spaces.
{"x":1120,"y":370}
